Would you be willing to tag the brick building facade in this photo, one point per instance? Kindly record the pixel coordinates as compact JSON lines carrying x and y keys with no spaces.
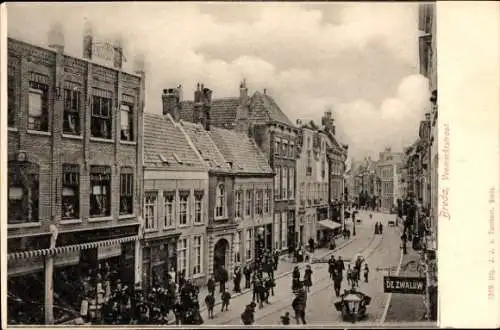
{"x":74,"y":160}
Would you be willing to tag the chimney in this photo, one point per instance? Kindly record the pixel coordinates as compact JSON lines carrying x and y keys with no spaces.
{"x":243,"y":92}
{"x":171,"y":103}
{"x":299,"y":122}
{"x":265,"y":91}
{"x":202,"y":105}
{"x":197,"y":104}
{"x":139,"y":64}
{"x":207,"y":106}
{"x":327,"y":121}
{"x":56,"y":37}
{"x":242,"y":124}
{"x":118,"y":57}
{"x":88,"y":40}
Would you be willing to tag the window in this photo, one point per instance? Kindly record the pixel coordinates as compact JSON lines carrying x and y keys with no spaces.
{"x":237,"y":244}
{"x":23,"y":193}
{"x":126,"y":190}
{"x":238,"y":204}
{"x":248,"y":244}
{"x":72,"y":100}
{"x":220,"y":201}
{"x":323,"y":169}
{"x":283,"y":230}
{"x":38,"y":103}
{"x":101,"y":114}
{"x":169,"y":205}
{"x":100,"y":191}
{"x":198,"y":253}
{"x":198,"y":206}
{"x":258,"y":202}
{"x":11,"y":97}
{"x":284,"y":148}
{"x":291,"y":185}
{"x":302,"y":193}
{"x":126,"y":123}
{"x":182,"y":256}
{"x":150,"y":210}
{"x":277,"y":175}
{"x":267,"y":201}
{"x":276,"y":147}
{"x":248,"y":200}
{"x":183,"y":207}
{"x":291,"y":150}
{"x":70,"y":199}
{"x":284,"y":183}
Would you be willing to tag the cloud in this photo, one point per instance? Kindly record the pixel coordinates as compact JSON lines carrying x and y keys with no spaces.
{"x":351,"y":57}
{"x":368,"y":129}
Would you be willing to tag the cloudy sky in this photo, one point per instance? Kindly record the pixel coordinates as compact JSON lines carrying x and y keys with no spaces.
{"x":358,"y":59}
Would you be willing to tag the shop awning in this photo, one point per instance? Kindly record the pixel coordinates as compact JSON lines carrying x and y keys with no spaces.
{"x":330,"y":224}
{"x":69,"y":248}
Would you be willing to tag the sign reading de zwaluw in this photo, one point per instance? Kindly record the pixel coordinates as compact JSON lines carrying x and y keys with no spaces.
{"x":401,"y":284}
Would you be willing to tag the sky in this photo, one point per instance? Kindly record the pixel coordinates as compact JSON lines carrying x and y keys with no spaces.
{"x":360,"y":60}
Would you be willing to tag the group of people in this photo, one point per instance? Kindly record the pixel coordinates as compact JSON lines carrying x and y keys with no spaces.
{"x":336,"y":269}
{"x":378,"y":228}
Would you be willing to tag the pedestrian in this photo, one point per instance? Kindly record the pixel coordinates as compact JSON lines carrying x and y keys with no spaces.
{"x":226,"y":298}
{"x":211,"y":285}
{"x":376,"y":228}
{"x":311,"y":244}
{"x":177,"y":311}
{"x":247,"y":272}
{"x":237,"y":279}
{"x":224,"y":276}
{"x":285,"y":319}
{"x":403,"y":243}
{"x":340,"y":265}
{"x":276,"y":259}
{"x":256,"y":285}
{"x":337,"y":282}
{"x":263,"y":293}
{"x":331,"y":266}
{"x":308,"y":278}
{"x":299,"y":306}
{"x":295,"y":278}
{"x":349,"y":275}
{"x":247,"y":317}
{"x":366,"y":271}
{"x":380,"y":228}
{"x":210,"y":302}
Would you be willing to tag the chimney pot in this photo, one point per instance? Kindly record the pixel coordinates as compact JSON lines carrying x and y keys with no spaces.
{"x":265,"y":91}
{"x":171,"y":103}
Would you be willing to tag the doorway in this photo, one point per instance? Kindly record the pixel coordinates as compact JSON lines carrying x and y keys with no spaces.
{"x":220,"y":252}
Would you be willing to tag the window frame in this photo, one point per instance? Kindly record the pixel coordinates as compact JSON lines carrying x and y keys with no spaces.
{"x":151,"y":203}
{"x":130,"y":121}
{"x":100,"y":96}
{"x":238,"y":204}
{"x":127,"y":174}
{"x":12,"y":103}
{"x":277,"y":183}
{"x":198,"y":206}
{"x":75,"y":96}
{"x":184,"y":201}
{"x":30,"y":202}
{"x":249,"y":202}
{"x":248,"y":244}
{"x":284,"y":183}
{"x":70,"y":179}
{"x":106,"y":174}
{"x":220,"y":201}
{"x":41,"y":90}
{"x":169,"y":217}
{"x":291,"y":183}
{"x":259,"y":202}
{"x":198,"y":255}
{"x":185,"y":249}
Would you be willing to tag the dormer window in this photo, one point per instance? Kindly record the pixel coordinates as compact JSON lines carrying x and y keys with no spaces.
{"x":220,"y":201}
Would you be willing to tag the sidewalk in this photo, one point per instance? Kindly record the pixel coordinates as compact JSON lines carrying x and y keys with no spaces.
{"x":285,"y":268}
{"x":407,"y":307}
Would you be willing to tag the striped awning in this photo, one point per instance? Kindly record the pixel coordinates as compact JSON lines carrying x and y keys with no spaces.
{"x":69,"y":248}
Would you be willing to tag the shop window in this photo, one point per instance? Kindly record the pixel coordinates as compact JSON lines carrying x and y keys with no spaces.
{"x":198,"y":255}
{"x":183,"y":207}
{"x":101,"y":121}
{"x":23,"y":192}
{"x":126,"y":123}
{"x":238,"y":204}
{"x":38,"y":103}
{"x":11,"y":98}
{"x":248,"y":200}
{"x":169,"y":205}
{"x":220,"y":201}
{"x":72,"y":105}
{"x":258,"y":202}
{"x":248,"y":244}
{"x":198,"y":206}
{"x":182,"y":256}
{"x":100,"y":191}
{"x":126,"y":190}
{"x":70,"y":199}
{"x":150,"y":210}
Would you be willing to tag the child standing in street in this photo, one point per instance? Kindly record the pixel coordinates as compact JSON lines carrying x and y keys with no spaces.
{"x":365,"y":273}
{"x":210,"y":302}
{"x":225,"y":297}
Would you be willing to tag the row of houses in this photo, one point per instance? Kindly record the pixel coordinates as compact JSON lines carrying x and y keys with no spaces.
{"x":95,"y":182}
{"x":379,"y":183}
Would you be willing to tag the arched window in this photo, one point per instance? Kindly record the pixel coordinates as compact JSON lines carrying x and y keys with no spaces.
{"x":23,"y":192}
{"x":220,"y":201}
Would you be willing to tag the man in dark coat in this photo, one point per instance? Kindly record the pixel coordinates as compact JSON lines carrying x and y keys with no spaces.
{"x":299,"y":306}
{"x":224,"y":276}
{"x":211,"y":285}
{"x":226,"y":298}
{"x":331,"y":266}
{"x":337,"y":282}
{"x":340,"y":264}
{"x":247,"y":272}
{"x":210,"y":302}
{"x":237,"y":279}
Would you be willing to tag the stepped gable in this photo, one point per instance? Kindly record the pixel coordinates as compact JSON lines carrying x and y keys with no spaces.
{"x":165,"y":145}
{"x":242,"y":151}
{"x":222,"y":111}
{"x":206,"y":146}
{"x":264,"y":108}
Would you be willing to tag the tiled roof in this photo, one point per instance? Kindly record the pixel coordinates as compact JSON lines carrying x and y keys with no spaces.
{"x":206,"y":146}
{"x":222,"y":113}
{"x":263,"y":107}
{"x":242,"y":151}
{"x":166,"y":146}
